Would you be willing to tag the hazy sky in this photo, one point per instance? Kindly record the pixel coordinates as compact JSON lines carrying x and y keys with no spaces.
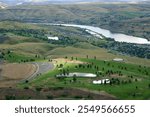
{"x":66,"y":0}
{"x":74,"y":0}
{"x":85,"y":0}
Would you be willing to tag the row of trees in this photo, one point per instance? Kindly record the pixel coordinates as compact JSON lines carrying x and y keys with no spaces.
{"x":8,"y":55}
{"x":141,"y":51}
{"x":39,"y":34}
{"x":64,"y":40}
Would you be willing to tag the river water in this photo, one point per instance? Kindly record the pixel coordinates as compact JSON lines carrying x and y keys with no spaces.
{"x":116,"y":36}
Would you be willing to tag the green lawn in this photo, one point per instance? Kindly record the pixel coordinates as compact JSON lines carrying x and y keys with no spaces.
{"x":137,"y":88}
{"x":14,"y":57}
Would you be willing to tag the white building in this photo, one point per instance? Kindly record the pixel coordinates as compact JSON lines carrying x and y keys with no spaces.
{"x":118,"y":59}
{"x":53,"y":38}
{"x":103,"y":81}
{"x":76,"y":74}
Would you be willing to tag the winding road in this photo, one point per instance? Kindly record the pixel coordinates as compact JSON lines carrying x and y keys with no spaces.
{"x":42,"y":67}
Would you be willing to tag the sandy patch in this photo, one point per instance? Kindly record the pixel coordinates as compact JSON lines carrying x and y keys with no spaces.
{"x":63,"y":60}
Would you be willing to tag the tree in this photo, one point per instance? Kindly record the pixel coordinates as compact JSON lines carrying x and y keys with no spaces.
{"x":130,"y":81}
{"x":133,"y":94}
{"x":26,"y":81}
{"x":38,"y":89}
{"x":67,"y":71}
{"x":72,"y":58}
{"x":87,"y":56}
{"x":36,"y":56}
{"x":105,"y":82}
{"x":136,"y":80}
{"x":74,"y":78}
{"x":10,"y":97}
{"x":8,"y":52}
{"x":64,"y":72}
{"x":103,"y":69}
{"x":149,"y":85}
{"x":61,"y":65}
{"x":0,"y":73}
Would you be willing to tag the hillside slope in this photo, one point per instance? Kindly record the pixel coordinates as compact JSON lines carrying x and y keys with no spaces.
{"x":132,"y":19}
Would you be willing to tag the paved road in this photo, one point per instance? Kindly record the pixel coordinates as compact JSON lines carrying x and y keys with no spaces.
{"x":42,"y":67}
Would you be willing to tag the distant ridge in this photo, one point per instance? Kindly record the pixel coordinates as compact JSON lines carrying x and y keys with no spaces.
{"x":42,"y":2}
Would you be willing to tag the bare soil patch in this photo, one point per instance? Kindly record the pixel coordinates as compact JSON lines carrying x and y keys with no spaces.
{"x":103,"y":94}
{"x":63,"y":60}
{"x":13,"y":72}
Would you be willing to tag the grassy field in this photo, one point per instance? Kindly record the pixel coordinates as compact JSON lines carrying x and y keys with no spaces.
{"x":133,"y":79}
{"x":100,"y":53}
{"x":29,"y":50}
{"x":132,"y":66}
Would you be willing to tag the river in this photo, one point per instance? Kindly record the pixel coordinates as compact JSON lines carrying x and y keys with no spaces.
{"x":116,"y":36}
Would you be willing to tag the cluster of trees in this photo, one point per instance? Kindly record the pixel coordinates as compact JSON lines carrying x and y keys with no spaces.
{"x":3,"y":37}
{"x":89,"y":66}
{"x":111,"y":72}
{"x":3,"y":53}
{"x":116,"y":81}
{"x":8,"y":55}
{"x":141,"y":51}
{"x":63,"y":73}
{"x":64,"y":40}
{"x":143,"y":71}
{"x":10,"y":97}
{"x":39,"y":34}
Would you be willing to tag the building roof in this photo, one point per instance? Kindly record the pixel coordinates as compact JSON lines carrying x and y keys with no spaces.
{"x":118,"y":59}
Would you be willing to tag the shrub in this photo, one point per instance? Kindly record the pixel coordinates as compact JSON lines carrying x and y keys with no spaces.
{"x":50,"y":97}
{"x":9,"y":97}
{"x":38,"y":88}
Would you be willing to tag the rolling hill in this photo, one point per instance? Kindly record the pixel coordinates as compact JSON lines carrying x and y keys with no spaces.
{"x":131,"y":19}
{"x":24,"y":42}
{"x":45,"y":2}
